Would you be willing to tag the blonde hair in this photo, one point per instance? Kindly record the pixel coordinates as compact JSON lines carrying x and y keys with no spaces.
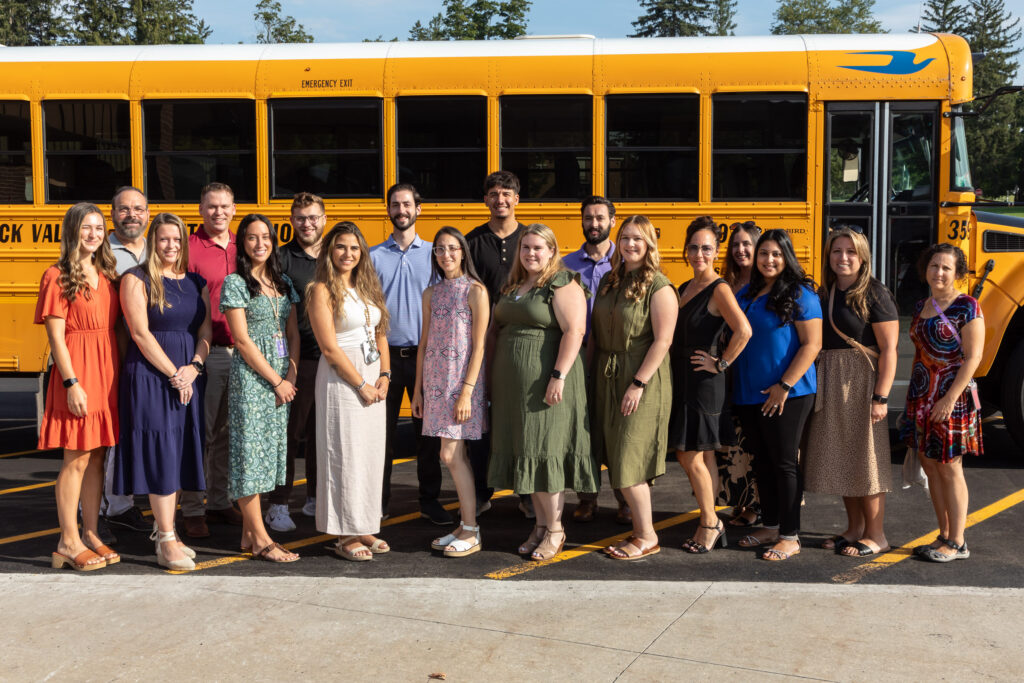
{"x":636,"y":286}
{"x":154,"y":266}
{"x":518,"y":274}
{"x":857,"y":294}
{"x":364,"y":275}
{"x":72,"y":277}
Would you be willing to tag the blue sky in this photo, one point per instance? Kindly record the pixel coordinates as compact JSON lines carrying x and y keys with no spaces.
{"x":353,"y":20}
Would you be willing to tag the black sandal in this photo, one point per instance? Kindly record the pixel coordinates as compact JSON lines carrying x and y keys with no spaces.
{"x":691,"y":546}
{"x":921,"y":549}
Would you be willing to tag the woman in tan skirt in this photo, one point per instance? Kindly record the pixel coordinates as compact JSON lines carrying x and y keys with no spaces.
{"x":848,"y":441}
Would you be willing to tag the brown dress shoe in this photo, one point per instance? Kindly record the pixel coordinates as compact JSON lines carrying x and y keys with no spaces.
{"x":585,"y":511}
{"x":226,"y":516}
{"x":195,"y":527}
{"x":624,"y":515}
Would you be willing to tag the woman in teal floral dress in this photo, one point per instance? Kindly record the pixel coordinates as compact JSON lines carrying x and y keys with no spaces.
{"x":257,"y":302}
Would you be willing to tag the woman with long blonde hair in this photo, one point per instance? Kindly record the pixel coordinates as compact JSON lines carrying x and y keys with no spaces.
{"x":540,"y":441}
{"x":78,"y":305}
{"x":167,"y":312}
{"x":350,"y":321}
{"x":634,"y":315}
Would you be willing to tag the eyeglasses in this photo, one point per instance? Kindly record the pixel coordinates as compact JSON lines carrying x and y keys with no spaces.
{"x":705,"y":249}
{"x":302,"y":220}
{"x":440,"y":251}
{"x":125,"y":210}
{"x":847,"y":226}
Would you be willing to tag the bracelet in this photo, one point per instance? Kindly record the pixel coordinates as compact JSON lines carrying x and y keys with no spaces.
{"x":361,"y":385}
{"x":279,"y":383}
{"x":469,"y":385}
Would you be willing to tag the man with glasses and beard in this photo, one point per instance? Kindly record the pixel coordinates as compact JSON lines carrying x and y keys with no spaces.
{"x":298,"y":261}
{"x":403,"y":264}
{"x":593,"y":261}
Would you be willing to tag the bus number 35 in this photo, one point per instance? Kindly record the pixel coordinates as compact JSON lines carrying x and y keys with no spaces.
{"x":959,"y":229}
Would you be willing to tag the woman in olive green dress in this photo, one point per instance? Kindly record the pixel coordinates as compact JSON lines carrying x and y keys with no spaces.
{"x":634,"y":317}
{"x":540,"y":438}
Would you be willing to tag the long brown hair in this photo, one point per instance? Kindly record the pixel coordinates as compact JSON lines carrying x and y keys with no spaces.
{"x":72,"y":277}
{"x":364,"y":275}
{"x":731,"y":272}
{"x":154,"y":265}
{"x":518,"y":274}
{"x":636,"y":286}
{"x":857,"y":294}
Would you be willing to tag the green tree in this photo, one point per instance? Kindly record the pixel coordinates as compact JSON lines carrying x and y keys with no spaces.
{"x":994,"y":138}
{"x":674,"y":18}
{"x":271,"y":27}
{"x":723,"y":12}
{"x":943,"y":16}
{"x":475,"y":20}
{"x":99,"y":22}
{"x":134,"y":22}
{"x":825,"y":16}
{"x":30,"y":22}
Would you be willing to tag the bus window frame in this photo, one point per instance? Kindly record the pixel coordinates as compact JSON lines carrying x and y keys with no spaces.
{"x":27,"y":153}
{"x":126,"y":150}
{"x":958,"y":146}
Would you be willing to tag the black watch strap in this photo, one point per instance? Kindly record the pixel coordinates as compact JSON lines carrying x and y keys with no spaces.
{"x":638,"y":383}
{"x":785,"y":387}
{"x":70,"y":382}
{"x":879,"y":399}
{"x":555,"y":374}
{"x":198,"y":365}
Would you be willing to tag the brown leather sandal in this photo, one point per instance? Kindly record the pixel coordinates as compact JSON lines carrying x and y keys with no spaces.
{"x":80,"y":563}
{"x":265,"y":554}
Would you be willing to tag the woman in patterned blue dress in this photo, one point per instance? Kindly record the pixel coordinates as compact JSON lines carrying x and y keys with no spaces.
{"x":257,"y":302}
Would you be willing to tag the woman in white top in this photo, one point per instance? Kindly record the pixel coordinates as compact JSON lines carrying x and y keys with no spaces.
{"x":350,"y":321}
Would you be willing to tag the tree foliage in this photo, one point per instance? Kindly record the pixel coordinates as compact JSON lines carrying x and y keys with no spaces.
{"x":673,"y":18}
{"x":133,"y":22}
{"x":943,"y":16}
{"x":271,"y":27}
{"x":475,"y":20}
{"x":30,"y":22}
{"x":723,"y":13}
{"x":825,"y":16}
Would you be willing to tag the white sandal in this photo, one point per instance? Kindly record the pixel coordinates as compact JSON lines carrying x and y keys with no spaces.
{"x":185,"y":550}
{"x":444,"y":541}
{"x":185,"y":564}
{"x":460,"y":547}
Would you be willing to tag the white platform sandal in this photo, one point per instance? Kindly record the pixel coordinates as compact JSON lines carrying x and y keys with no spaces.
{"x":185,"y":564}
{"x":461,"y":548}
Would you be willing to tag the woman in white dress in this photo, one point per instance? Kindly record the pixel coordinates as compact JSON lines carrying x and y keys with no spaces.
{"x":350,"y":322}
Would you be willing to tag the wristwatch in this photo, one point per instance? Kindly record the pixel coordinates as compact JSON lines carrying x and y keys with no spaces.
{"x":879,"y":399}
{"x":198,"y":365}
{"x":386,"y":373}
{"x":722,"y":364}
{"x":637,"y":383}
{"x":70,"y":382}
{"x":556,"y":374}
{"x":785,"y":387}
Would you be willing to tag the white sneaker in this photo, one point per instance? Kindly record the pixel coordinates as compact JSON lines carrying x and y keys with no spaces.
{"x":309,"y":509}
{"x":278,"y":519}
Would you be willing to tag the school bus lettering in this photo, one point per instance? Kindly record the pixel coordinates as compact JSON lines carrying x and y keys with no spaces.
{"x":326,"y":83}
{"x":958,"y":229}
{"x":10,"y":233}
{"x":284,"y":232}
{"x":46,"y":232}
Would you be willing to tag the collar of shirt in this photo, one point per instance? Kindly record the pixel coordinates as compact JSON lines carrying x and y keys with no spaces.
{"x":207,"y":241}
{"x":604,"y":259}
{"x":416,"y":243}
{"x":296,"y":248}
{"x":115,"y":243}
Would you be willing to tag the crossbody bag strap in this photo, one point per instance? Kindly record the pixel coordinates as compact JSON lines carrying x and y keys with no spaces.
{"x":952,"y":327}
{"x":868,"y":353}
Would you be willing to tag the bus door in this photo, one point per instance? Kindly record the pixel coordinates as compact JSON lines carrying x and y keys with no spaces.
{"x":881,"y":175}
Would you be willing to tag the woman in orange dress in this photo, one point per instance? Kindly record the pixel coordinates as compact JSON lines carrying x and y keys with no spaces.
{"x":79,"y":306}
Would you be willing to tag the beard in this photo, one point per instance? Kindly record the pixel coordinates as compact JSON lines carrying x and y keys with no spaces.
{"x":600,"y":237}
{"x":129,"y":230}
{"x":412,"y":222}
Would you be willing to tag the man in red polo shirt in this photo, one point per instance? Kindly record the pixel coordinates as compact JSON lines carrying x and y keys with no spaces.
{"x":211,"y":252}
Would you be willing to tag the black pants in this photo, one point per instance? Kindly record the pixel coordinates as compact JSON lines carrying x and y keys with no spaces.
{"x":301,"y":432}
{"x":774,"y":443}
{"x":479,"y":453}
{"x":427,"y":449}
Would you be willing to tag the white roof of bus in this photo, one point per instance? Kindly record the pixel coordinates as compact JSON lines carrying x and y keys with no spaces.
{"x":469,"y":48}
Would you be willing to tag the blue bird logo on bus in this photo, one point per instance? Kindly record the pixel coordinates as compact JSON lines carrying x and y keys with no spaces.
{"x":901,"y":63}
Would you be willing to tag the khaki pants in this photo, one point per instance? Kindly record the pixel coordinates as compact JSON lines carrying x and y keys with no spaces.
{"x":215,"y":450}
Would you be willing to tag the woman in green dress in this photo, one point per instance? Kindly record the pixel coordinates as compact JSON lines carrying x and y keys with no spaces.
{"x":634,"y":317}
{"x":540,"y":439}
{"x":257,"y":302}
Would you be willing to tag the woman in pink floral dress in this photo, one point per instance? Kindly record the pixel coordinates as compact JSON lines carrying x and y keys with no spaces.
{"x":449,"y":393}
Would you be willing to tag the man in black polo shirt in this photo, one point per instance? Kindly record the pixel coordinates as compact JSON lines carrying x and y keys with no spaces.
{"x":298,"y":261}
{"x":493,"y":248}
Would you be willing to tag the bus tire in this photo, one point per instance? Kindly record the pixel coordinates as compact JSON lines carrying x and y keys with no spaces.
{"x":1012,"y":399}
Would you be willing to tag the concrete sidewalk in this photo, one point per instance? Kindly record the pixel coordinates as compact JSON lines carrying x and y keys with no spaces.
{"x":160,"y":627}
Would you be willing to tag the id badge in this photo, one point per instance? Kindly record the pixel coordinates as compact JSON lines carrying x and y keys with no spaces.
{"x":282,"y":348}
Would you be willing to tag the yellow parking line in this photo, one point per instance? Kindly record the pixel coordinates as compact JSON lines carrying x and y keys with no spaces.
{"x":907,"y":549}
{"x":579,"y":551}
{"x":30,"y":487}
{"x":11,"y":455}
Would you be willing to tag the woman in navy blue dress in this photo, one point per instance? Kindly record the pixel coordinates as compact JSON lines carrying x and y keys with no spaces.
{"x":167,"y":310}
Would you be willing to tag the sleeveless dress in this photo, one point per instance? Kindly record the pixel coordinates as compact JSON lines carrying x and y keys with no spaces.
{"x":698,"y":395}
{"x":161,"y":447}
{"x":350,"y":435}
{"x":257,"y":428}
{"x":89,"y":335}
{"x":937,"y":358}
{"x":633,"y":447}
{"x":536,"y":447}
{"x":445,"y":359}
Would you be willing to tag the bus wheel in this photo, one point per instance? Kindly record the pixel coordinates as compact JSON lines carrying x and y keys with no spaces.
{"x":1013,"y":395}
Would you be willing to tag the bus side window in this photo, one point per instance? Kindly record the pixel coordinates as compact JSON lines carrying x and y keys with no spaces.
{"x":442,"y":145}
{"x":651,"y":147}
{"x":759,"y":146}
{"x":328,"y":146}
{"x":15,"y":153}
{"x":190,"y":143}
{"x":547,"y":141}
{"x":87,"y":149}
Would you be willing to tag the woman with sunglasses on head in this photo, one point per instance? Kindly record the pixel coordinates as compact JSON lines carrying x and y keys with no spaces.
{"x":847,"y":450}
{"x":707,"y":307}
{"x":942,"y":422}
{"x":258,"y":302}
{"x":775,"y":386}
{"x":449,"y":393}
{"x":79,"y":306}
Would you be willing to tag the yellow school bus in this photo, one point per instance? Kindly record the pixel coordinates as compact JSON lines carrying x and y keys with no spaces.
{"x":796,"y":132}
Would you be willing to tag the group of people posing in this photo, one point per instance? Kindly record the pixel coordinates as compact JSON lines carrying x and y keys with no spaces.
{"x":524,"y":370}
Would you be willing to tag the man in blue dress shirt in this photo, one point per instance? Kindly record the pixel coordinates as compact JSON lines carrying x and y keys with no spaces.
{"x":403,"y":263}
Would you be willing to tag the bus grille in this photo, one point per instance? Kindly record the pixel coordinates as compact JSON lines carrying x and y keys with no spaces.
{"x":1003,"y":241}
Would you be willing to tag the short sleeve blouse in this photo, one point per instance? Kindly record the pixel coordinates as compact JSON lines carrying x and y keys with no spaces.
{"x":881,"y":308}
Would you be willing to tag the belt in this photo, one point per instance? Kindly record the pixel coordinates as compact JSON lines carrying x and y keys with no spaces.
{"x":404,"y":351}
{"x":225,"y":346}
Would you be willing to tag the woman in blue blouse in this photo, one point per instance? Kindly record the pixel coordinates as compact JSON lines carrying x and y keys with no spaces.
{"x":775,"y":385}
